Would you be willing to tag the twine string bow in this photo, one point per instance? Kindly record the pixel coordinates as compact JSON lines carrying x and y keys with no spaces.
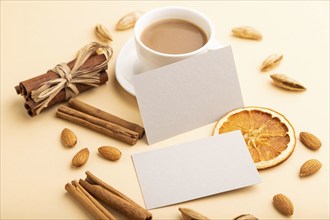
{"x":70,"y":77}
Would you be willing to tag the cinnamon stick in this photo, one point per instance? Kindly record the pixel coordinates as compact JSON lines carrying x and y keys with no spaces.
{"x":92,"y":179}
{"x":114,"y":201}
{"x":88,"y":109}
{"x":91,"y":206}
{"x":94,"y":201}
{"x":31,"y":105}
{"x":100,"y":125}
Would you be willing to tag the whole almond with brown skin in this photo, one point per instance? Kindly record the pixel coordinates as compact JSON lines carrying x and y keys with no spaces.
{"x":189,"y":214}
{"x":68,"y":138}
{"x":246,"y":217}
{"x":80,"y":158}
{"x":110,"y":153}
{"x":283,"y":204}
{"x":310,"y":140}
{"x":310,"y":167}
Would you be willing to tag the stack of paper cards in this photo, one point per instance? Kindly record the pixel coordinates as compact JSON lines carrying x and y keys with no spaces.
{"x":180,"y":97}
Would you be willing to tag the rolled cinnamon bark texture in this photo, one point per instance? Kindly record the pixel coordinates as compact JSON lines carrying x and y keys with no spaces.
{"x":92,"y":192}
{"x":91,"y":110}
{"x":66,"y":80}
{"x":98,"y":120}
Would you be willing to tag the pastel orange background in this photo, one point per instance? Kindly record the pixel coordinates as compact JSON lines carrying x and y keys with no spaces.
{"x":37,"y":35}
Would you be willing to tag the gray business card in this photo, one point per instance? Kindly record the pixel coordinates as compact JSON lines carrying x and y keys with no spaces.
{"x":195,"y":169}
{"x":188,"y":94}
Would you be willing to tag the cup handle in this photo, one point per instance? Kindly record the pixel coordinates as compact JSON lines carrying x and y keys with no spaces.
{"x":214,"y":44}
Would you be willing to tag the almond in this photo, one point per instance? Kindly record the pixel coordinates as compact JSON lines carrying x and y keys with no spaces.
{"x":128,"y":21}
{"x":310,"y":140}
{"x":283,"y":204}
{"x":310,"y":167}
{"x":102,"y":33}
{"x":246,"y":217}
{"x":80,"y":158}
{"x":247,"y":32}
{"x":271,"y":61}
{"x":286,"y":82}
{"x":110,"y":153}
{"x":68,"y":138}
{"x":189,"y":214}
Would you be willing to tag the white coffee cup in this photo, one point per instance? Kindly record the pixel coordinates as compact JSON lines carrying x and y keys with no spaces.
{"x":151,"y":59}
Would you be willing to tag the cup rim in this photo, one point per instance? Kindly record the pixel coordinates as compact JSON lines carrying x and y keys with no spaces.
{"x":208,"y":21}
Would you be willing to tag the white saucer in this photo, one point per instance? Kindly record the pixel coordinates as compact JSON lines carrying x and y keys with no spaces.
{"x":127,"y":66}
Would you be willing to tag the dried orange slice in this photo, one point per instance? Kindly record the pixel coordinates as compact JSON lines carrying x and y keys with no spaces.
{"x":269,"y":136}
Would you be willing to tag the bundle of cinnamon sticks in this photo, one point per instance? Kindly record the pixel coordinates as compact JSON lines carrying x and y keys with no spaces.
{"x":27,"y":87}
{"x":90,"y":191}
{"x":93,"y":118}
